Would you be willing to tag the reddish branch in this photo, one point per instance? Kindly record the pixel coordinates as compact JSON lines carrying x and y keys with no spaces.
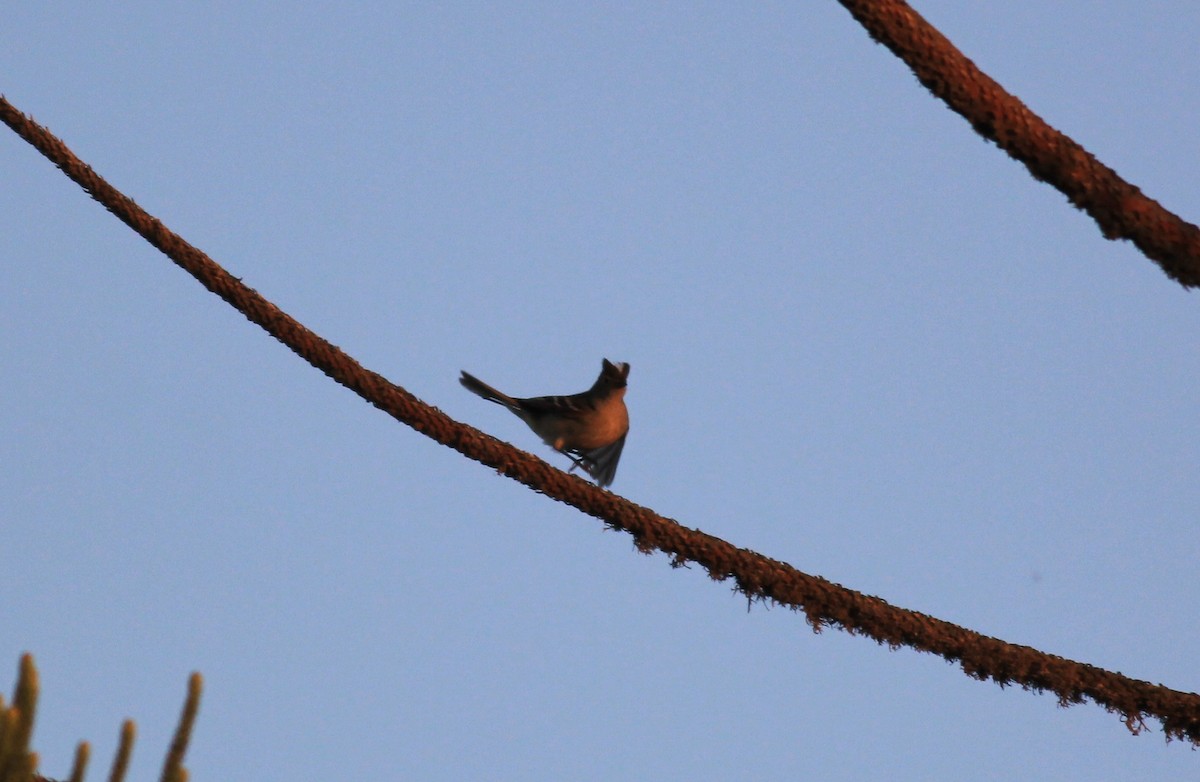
{"x":759,"y":577}
{"x":1120,"y":209}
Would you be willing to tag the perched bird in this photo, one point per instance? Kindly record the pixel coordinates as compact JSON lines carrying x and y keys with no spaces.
{"x":589,"y":427}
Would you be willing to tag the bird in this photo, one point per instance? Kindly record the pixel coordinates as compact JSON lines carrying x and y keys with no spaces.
{"x":588,"y":427}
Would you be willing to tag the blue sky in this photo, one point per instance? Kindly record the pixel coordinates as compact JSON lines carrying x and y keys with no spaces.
{"x":862,"y":340}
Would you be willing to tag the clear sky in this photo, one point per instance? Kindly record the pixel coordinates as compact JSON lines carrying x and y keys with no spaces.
{"x":862,"y":340}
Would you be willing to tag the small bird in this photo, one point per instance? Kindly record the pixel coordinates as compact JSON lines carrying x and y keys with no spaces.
{"x":588,"y":427}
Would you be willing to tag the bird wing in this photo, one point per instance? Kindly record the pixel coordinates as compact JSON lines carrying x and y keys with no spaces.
{"x":601,"y":463}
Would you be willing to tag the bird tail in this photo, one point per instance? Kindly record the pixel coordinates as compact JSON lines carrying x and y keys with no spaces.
{"x":480,"y":388}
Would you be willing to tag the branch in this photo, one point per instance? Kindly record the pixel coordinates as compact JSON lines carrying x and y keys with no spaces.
{"x":757,"y":576}
{"x":1120,"y":209}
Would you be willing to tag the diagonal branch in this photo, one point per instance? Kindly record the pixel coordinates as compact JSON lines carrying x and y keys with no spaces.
{"x":1120,"y":209}
{"x":759,"y":577}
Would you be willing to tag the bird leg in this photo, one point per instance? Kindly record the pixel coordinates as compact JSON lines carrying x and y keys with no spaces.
{"x":575,"y":462}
